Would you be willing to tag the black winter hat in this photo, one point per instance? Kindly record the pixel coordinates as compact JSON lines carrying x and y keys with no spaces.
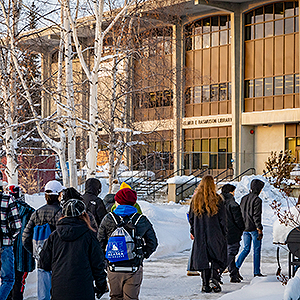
{"x":73,"y":208}
{"x":228,"y":188}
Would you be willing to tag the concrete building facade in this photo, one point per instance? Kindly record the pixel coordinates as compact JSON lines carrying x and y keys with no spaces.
{"x":232,"y":94}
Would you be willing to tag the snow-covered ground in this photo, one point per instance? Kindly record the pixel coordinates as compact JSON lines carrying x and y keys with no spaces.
{"x":165,"y":272}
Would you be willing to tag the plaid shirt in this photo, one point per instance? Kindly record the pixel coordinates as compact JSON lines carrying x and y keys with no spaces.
{"x":10,"y":220}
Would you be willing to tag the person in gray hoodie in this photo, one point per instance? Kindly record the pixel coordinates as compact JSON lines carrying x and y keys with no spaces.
{"x":251,"y":207}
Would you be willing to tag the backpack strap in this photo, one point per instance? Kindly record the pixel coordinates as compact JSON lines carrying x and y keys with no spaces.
{"x":114,"y":218}
{"x":137,"y":220}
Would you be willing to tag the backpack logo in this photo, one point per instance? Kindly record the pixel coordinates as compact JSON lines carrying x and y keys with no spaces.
{"x":121,"y":245}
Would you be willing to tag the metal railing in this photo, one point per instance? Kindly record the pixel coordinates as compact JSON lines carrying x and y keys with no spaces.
{"x":181,"y":186}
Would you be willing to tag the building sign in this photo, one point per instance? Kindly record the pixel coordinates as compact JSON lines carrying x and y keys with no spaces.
{"x":207,"y":121}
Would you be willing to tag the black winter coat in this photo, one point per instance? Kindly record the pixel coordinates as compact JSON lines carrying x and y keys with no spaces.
{"x":93,"y":203}
{"x":49,"y":213}
{"x":75,"y":257}
{"x":235,"y":222}
{"x":144,"y":229}
{"x":251,"y":207}
{"x":210,"y":245}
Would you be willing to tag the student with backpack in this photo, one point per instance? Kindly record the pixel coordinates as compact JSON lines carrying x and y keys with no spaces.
{"x":42,"y":222}
{"x":74,"y":255}
{"x":128,"y":238}
{"x":10,"y":227}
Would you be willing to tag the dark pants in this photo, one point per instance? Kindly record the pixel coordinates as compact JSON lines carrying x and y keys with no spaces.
{"x":125,"y":286}
{"x":232,"y":251}
{"x":207,"y":274}
{"x":18,"y":288}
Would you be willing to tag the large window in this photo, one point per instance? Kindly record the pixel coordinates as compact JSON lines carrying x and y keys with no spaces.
{"x":272,"y":20}
{"x":208,"y":148}
{"x":292,"y":139}
{"x":154,"y":151}
{"x":208,"y":90}
{"x":272,"y":57}
{"x":153,"y":75}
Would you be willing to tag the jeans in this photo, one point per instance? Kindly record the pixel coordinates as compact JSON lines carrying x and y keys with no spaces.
{"x":232,"y":251}
{"x":44,"y":284}
{"x":247,"y":237}
{"x":7,"y":271}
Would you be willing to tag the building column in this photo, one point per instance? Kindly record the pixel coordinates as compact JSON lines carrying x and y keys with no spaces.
{"x":177,"y":88}
{"x":237,"y":67}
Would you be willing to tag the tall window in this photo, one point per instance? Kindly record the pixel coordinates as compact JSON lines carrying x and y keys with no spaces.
{"x":208,"y":89}
{"x":271,"y":57}
{"x":153,"y":75}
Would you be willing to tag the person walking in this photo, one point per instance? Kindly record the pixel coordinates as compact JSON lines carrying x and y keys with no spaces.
{"x":235,"y":228}
{"x":207,"y":218}
{"x":72,"y":193}
{"x":94,"y":204}
{"x":49,"y":213}
{"x":24,"y":261}
{"x":74,"y":256}
{"x":125,"y":277}
{"x":10,"y":228}
{"x":251,"y":207}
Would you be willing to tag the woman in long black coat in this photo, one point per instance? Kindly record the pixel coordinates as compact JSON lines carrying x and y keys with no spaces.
{"x":207,"y":217}
{"x":74,"y":255}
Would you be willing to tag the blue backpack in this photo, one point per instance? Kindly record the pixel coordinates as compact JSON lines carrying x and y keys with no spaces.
{"x":122,"y":245}
{"x":40,"y":235}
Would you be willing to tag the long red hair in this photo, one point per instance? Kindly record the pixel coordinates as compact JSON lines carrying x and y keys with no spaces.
{"x":205,"y":198}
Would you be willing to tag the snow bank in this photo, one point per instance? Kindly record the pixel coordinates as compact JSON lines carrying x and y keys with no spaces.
{"x":281,"y":231}
{"x":292,"y":290}
{"x":265,"y":288}
{"x":171,"y":227}
{"x":182,"y":179}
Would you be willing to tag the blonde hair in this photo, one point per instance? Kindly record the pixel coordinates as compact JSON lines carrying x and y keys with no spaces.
{"x":205,"y":198}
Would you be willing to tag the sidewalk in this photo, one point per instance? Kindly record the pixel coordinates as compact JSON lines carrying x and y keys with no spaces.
{"x":165,"y":279}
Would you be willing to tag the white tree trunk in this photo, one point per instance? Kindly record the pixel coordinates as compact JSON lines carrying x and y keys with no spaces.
{"x":11,"y":156}
{"x":93,"y":139}
{"x":71,"y":124}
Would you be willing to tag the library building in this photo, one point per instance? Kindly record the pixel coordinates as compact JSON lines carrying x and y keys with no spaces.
{"x":225,"y":89}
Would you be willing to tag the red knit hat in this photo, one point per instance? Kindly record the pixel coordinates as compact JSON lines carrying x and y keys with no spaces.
{"x":126,"y":196}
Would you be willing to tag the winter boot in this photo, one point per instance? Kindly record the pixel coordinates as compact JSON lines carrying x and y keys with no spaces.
{"x":235,"y":278}
{"x":239,"y":275}
{"x":205,"y":274}
{"x":215,"y":285}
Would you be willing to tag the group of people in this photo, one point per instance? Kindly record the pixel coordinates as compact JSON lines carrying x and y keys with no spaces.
{"x":217,"y":223}
{"x":71,"y":263}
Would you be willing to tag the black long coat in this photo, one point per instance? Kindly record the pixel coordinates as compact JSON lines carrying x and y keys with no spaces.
{"x":74,"y":255}
{"x":210,"y":244}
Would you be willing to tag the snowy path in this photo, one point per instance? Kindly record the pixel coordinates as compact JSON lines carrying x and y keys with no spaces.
{"x":165,"y":279}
